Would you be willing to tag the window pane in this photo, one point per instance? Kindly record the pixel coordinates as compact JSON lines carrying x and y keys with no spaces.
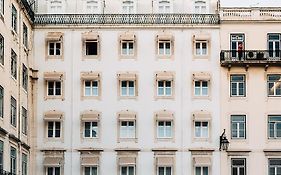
{"x":57,"y":170}
{"x":58,"y":88}
{"x":50,"y":171}
{"x":197,"y":170}
{"x":205,"y":91}
{"x":205,"y":171}
{"x":168,"y":170}
{"x":168,"y":91}
{"x":241,"y":88}
{"x":91,"y":48}
{"x":123,"y":170}
{"x":161,"y":171}
{"x":131,"y":170}
{"x":87,"y":171}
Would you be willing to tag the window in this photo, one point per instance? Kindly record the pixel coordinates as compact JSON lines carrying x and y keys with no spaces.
{"x":55,"y":6}
{"x":237,"y":85}
{"x":1,"y":154}
{"x":200,"y":7}
{"x":25,"y":36}
{"x":201,"y":88}
{"x":201,"y":48}
{"x":202,"y":170}
{"x":238,"y":167}
{"x":91,"y":170}
{"x":1,"y":49}
{"x":24,"y":77}
{"x":164,"y":129}
{"x":91,"y":88}
{"x":164,"y":88}
{"x":54,"y":48}
{"x":128,"y":7}
{"x":274,"y":85}
{"x":13,"y":64}
{"x":13,"y":160}
{"x":91,"y":47}
{"x":1,"y":7}
{"x":164,"y":6}
{"x":92,"y":6}
{"x":127,"y":88}
{"x":237,"y":45}
{"x":53,"y":170}
{"x":1,"y":101}
{"x":14,"y":19}
{"x":127,"y":129}
{"x":274,"y":45}
{"x":164,"y":170}
{"x":274,"y":166}
{"x":201,"y":129}
{"x":274,"y":126}
{"x":54,"y":88}
{"x":164,"y":48}
{"x":54,"y":129}
{"x":91,"y":129}
{"x":24,"y":120}
{"x":127,"y":170}
{"x":24,"y":164}
{"x":238,"y":126}
{"x":13,"y":112}
{"x":127,"y":48}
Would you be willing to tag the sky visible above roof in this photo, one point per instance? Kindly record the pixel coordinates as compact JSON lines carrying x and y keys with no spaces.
{"x":250,"y":3}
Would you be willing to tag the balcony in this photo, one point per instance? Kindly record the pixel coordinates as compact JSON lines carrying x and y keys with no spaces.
{"x":3,"y":172}
{"x":248,"y":58}
{"x":126,"y":19}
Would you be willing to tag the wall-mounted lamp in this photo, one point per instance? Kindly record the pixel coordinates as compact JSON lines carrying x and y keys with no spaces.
{"x":224,"y":143}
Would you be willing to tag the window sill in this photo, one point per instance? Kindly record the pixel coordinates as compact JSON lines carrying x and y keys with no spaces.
{"x":164,"y":97}
{"x":201,"y":57}
{"x":91,"y":97}
{"x":238,"y":98}
{"x":13,"y":78}
{"x":127,"y":97}
{"x":201,"y":97}
{"x":198,"y":139}
{"x":51,"y":139}
{"x":164,"y":57}
{"x":164,"y":139}
{"x":14,"y":33}
{"x":2,"y":66}
{"x":91,"y":57}
{"x":54,"y":57}
{"x":54,"y":98}
{"x":2,"y":17}
{"x":127,"y":140}
{"x":89,"y":138}
{"x":127,"y":57}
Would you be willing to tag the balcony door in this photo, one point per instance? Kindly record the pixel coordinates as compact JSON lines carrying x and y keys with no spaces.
{"x":274,"y":45}
{"x":235,"y":41}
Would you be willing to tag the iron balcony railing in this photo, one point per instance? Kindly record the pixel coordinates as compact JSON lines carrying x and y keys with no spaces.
{"x":3,"y":172}
{"x":28,"y":8}
{"x":136,"y":19}
{"x":250,"y":55}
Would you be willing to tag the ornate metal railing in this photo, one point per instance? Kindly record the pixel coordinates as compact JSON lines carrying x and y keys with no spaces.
{"x":28,"y":8}
{"x":136,"y":19}
{"x":250,"y":56}
{"x":3,"y":172}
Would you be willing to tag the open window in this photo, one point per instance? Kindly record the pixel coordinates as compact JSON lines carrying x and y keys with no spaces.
{"x":91,"y":45}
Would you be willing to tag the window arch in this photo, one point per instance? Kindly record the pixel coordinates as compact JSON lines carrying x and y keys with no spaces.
{"x":200,"y":7}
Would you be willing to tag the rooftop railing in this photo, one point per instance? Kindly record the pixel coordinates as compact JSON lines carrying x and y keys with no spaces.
{"x":123,"y":19}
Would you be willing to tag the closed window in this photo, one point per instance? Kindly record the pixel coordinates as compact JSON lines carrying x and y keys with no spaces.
{"x":91,"y":129}
{"x":201,"y":88}
{"x":14,"y":19}
{"x":1,"y":49}
{"x":201,"y":48}
{"x":274,"y":85}
{"x":13,"y":112}
{"x":164,"y":129}
{"x":24,"y":120}
{"x":55,"y":6}
{"x":274,"y":126}
{"x":164,"y":48}
{"x":13,"y":64}
{"x":1,"y":7}
{"x":164,"y":6}
{"x":164,"y":170}
{"x":24,"y":164}
{"x":91,"y":170}
{"x":128,"y":7}
{"x":127,"y":48}
{"x":238,"y":166}
{"x":25,"y":35}
{"x":164,"y":88}
{"x":202,"y":170}
{"x":91,"y":47}
{"x":200,"y":7}
{"x":1,"y":154}
{"x":13,"y":160}
{"x":54,"y":88}
{"x":53,"y":170}
{"x":238,"y":126}
{"x":274,"y":166}
{"x":92,"y":6}
{"x":274,"y":45}
{"x":1,"y":101}
{"x":91,"y":88}
{"x":127,"y":129}
{"x":24,"y":77}
{"x":127,"y":170}
{"x":127,"y":88}
{"x":201,"y":129}
{"x":237,"y":85}
{"x":54,"y":129}
{"x":54,"y":48}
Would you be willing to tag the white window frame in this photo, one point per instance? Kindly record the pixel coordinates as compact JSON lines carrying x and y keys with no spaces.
{"x":201,"y":169}
{"x":53,"y":129}
{"x":13,"y":112}
{"x":164,"y":6}
{"x":13,"y":160}
{"x":92,"y":88}
{"x":53,"y":170}
{"x":238,"y":167}
{"x":165,"y":129}
{"x":56,"y":6}
{"x":127,"y":132}
{"x":128,"y":7}
{"x":54,"y":88}
{"x":127,"y":51}
{"x":14,"y":19}
{"x":127,"y":88}
{"x":91,"y":170}
{"x":14,"y":60}
{"x":199,"y":6}
{"x":275,"y":53}
{"x":92,"y":128}
{"x":24,"y":120}
{"x":167,"y":51}
{"x":127,"y":171}
{"x":275,"y":123}
{"x":273,"y":166}
{"x":201,"y":129}
{"x":201,"y":88}
{"x":165,"y":170}
{"x":238,"y":126}
{"x":165,"y":88}
{"x":91,"y":41}
{"x":92,"y":6}
{"x":237,"y":83}
{"x":1,"y":154}
{"x":55,"y":48}
{"x":1,"y":102}
{"x":201,"y":49}
{"x":24,"y":164}
{"x":2,"y":50}
{"x":2,"y":5}
{"x":276,"y":83}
